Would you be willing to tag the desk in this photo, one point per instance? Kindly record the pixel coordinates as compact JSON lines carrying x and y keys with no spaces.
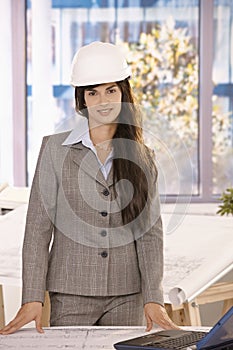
{"x":11,"y":197}
{"x":89,"y":338}
{"x":198,"y":253}
{"x":11,"y":235}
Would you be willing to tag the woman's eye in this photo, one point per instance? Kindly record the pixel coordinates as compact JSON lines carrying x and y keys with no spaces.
{"x":111,"y":91}
{"x":91,"y":93}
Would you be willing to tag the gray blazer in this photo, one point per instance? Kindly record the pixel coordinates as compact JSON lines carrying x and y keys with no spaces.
{"x":75,"y":241}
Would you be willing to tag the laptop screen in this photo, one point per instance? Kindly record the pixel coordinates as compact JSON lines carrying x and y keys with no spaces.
{"x":221,"y":333}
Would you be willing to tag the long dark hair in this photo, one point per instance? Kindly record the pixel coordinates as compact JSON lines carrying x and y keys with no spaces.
{"x":133,"y":160}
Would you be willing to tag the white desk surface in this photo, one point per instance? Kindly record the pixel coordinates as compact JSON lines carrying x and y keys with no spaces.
{"x":11,"y":234}
{"x":11,"y":196}
{"x":88,"y":338}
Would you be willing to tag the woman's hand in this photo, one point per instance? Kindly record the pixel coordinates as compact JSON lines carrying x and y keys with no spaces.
{"x":156,"y":313}
{"x":27,"y":313}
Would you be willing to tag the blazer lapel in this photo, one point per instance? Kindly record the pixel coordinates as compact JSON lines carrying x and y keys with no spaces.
{"x":110,"y":180}
{"x":87,"y":161}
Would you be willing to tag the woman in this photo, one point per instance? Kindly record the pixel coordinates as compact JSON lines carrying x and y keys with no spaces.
{"x":94,"y":197}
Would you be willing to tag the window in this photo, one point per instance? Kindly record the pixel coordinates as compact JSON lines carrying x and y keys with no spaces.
{"x":193,"y":163}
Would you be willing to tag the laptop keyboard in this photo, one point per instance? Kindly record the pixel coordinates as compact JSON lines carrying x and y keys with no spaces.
{"x":179,"y":342}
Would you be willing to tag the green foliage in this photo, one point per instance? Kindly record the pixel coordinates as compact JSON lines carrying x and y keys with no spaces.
{"x":165,"y":80}
{"x":164,"y":67}
{"x":226,"y":207}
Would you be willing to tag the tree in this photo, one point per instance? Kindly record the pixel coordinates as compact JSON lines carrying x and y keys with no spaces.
{"x":164,"y":67}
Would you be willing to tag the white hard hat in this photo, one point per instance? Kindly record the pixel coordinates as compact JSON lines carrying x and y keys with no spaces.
{"x":98,"y":63}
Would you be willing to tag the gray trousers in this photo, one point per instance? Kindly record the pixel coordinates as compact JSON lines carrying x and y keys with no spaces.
{"x":76,"y":310}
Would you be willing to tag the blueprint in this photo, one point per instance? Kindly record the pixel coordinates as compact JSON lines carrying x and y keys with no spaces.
{"x":182,"y":265}
{"x":197,"y":254}
{"x":88,"y":338}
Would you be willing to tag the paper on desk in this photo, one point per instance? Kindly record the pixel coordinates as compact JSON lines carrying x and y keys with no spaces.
{"x":89,"y":338}
{"x":12,"y":197}
{"x":12,"y":227}
{"x":186,"y":291}
{"x":197,"y":254}
{"x":3,"y":186}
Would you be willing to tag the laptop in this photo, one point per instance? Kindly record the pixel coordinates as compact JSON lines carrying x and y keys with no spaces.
{"x":220,"y":337}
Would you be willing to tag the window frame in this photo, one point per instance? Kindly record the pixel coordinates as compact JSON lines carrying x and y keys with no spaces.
{"x":19,"y":92}
{"x":205,"y":99}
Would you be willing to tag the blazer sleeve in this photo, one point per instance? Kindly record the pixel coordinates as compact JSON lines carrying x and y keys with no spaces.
{"x":39,"y":227}
{"x":151,"y":256}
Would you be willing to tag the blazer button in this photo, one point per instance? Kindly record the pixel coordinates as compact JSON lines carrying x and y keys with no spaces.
{"x":103,"y":233}
{"x":105,"y":192}
{"x":103,"y":213}
{"x":104,"y":254}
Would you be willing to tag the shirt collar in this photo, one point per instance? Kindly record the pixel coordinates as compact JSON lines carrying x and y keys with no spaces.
{"x":79,"y":134}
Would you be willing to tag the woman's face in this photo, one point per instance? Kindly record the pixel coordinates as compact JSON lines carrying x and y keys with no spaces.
{"x":103,"y":103}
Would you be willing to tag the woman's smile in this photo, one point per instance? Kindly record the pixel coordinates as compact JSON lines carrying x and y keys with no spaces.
{"x":105,"y":112}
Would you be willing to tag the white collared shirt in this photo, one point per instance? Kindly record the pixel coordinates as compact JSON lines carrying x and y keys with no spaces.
{"x":81,"y":134}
